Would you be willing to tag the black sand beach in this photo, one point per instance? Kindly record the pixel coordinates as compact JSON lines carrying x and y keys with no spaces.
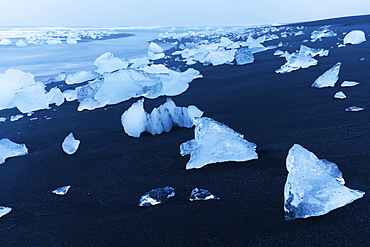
{"x":111,"y":170}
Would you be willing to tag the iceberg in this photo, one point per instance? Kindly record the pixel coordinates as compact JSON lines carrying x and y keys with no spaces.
{"x":4,"y":210}
{"x":62,"y":190}
{"x":10,"y":149}
{"x":314,"y":186}
{"x":322,"y":32}
{"x":354,"y":108}
{"x":329,"y":78}
{"x":79,"y":77}
{"x":70,"y":144}
{"x":216,"y":142}
{"x":162,"y":119}
{"x":354,"y":37}
{"x":244,"y":56}
{"x":349,"y":84}
{"x":202,"y":195}
{"x":107,"y":63}
{"x":340,"y":95}
{"x":156,"y":196}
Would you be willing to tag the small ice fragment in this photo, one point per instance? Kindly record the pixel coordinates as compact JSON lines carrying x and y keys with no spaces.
{"x":16,"y":117}
{"x":202,"y":195}
{"x":156,"y":196}
{"x":216,"y":142}
{"x":81,"y":76}
{"x":278,"y":53}
{"x":244,"y":56}
{"x":314,"y":186}
{"x":362,"y":59}
{"x":4,"y":210}
{"x":349,"y":84}
{"x":340,"y":95}
{"x":20,"y":43}
{"x":354,"y":37}
{"x":2,"y":119}
{"x":108,"y":63}
{"x":11,"y":149}
{"x":70,"y":144}
{"x":62,"y":190}
{"x":354,"y":108}
{"x":329,"y":78}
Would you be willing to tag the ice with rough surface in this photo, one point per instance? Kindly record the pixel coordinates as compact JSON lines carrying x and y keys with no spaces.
{"x":314,"y":186}
{"x":135,"y":120}
{"x":70,"y":144}
{"x":329,"y":78}
{"x":216,"y":142}
{"x":107,"y":63}
{"x":5,"y":42}
{"x":16,"y":117}
{"x":155,"y":51}
{"x":349,"y":84}
{"x":198,"y":194}
{"x":62,"y":190}
{"x":354,"y":108}
{"x":322,"y":32}
{"x":11,"y":149}
{"x":156,"y":196}
{"x":340,"y":95}
{"x":354,"y":37}
{"x":244,"y":56}
{"x":4,"y":210}
{"x":79,"y":77}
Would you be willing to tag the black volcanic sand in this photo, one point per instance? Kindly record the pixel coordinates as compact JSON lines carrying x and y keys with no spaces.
{"x":111,"y":170}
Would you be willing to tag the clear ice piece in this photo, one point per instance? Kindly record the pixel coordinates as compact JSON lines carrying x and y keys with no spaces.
{"x":354,"y":37}
{"x":4,"y":210}
{"x":216,"y":142}
{"x":202,"y":195}
{"x":340,"y":95}
{"x":156,"y":196}
{"x":354,"y":108}
{"x":62,"y":190}
{"x":11,"y":149}
{"x":349,"y":84}
{"x":244,"y":56}
{"x":70,"y":144}
{"x":313,"y":187}
{"x":322,"y":32}
{"x":329,"y":78}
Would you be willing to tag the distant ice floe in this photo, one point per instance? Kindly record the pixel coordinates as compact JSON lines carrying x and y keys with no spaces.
{"x":354,"y":108}
{"x":70,"y":144}
{"x":329,"y":78}
{"x":5,"y":42}
{"x":322,"y":32}
{"x":62,"y":190}
{"x":354,"y":37}
{"x":349,"y":84}
{"x":216,"y":142}
{"x":136,"y":121}
{"x":156,"y":196}
{"x":303,"y":58}
{"x":314,"y":186}
{"x":4,"y":210}
{"x":340,"y":95}
{"x":198,"y":194}
{"x":10,"y":149}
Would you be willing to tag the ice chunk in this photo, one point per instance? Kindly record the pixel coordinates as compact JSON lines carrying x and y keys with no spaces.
{"x":55,"y":96}
{"x":202,"y":195}
{"x":349,"y":84}
{"x":216,"y":142}
{"x":340,"y":95}
{"x":70,"y":144}
{"x":81,"y":76}
{"x":16,"y":117}
{"x":135,"y":120}
{"x":90,"y":104}
{"x":2,"y":119}
{"x":4,"y":210}
{"x":70,"y":95}
{"x":11,"y":149}
{"x":139,"y":63}
{"x":20,"y":43}
{"x":220,"y":57}
{"x":155,"y":51}
{"x":314,"y":187}
{"x":5,"y":42}
{"x":156,"y":196}
{"x":329,"y":78}
{"x":322,"y":32}
{"x":354,"y":108}
{"x":108,"y":63}
{"x":61,"y":77}
{"x":156,"y":68}
{"x":62,"y":190}
{"x":278,"y":53}
{"x":354,"y":37}
{"x":244,"y":56}
{"x":31,"y":98}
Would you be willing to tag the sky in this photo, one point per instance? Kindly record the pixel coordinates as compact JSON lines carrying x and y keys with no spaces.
{"x":138,"y":13}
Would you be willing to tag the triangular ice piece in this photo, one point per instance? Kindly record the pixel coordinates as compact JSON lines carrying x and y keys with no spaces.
{"x":329,"y":78}
{"x":314,"y":187}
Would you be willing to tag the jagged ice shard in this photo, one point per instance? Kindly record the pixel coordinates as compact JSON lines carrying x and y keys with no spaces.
{"x":314,"y":186}
{"x":329,"y":78}
{"x":156,"y":196}
{"x":11,"y":149}
{"x":202,"y":195}
{"x":62,"y":190}
{"x":70,"y":144}
{"x":216,"y":142}
{"x":4,"y":210}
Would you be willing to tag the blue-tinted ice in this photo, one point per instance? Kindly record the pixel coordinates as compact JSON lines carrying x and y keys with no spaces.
{"x":62,"y":190}
{"x":202,"y":195}
{"x":354,"y":108}
{"x":329,"y":78}
{"x":156,"y":196}
{"x":70,"y":144}
{"x":4,"y":210}
{"x":11,"y":149}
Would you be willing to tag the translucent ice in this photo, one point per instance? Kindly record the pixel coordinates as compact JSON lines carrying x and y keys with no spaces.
{"x":81,"y":76}
{"x":216,"y":142}
{"x":139,"y":63}
{"x":244,"y":56}
{"x":62,"y":190}
{"x":349,"y":84}
{"x":108,"y":63}
{"x":11,"y":149}
{"x":55,"y":96}
{"x":4,"y":210}
{"x":155,"y":51}
{"x":314,"y":187}
{"x":340,"y":95}
{"x":322,"y":32}
{"x":329,"y":78}
{"x":135,"y":120}
{"x":156,"y":196}
{"x":5,"y":42}
{"x":202,"y":195}
{"x":16,"y":117}
{"x":354,"y":108}
{"x":70,"y":144}
{"x":354,"y":37}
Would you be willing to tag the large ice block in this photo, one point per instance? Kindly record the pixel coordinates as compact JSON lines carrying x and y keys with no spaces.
{"x":11,"y":149}
{"x":354,"y":37}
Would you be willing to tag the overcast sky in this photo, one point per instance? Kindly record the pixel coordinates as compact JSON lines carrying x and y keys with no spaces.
{"x":115,"y":13}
